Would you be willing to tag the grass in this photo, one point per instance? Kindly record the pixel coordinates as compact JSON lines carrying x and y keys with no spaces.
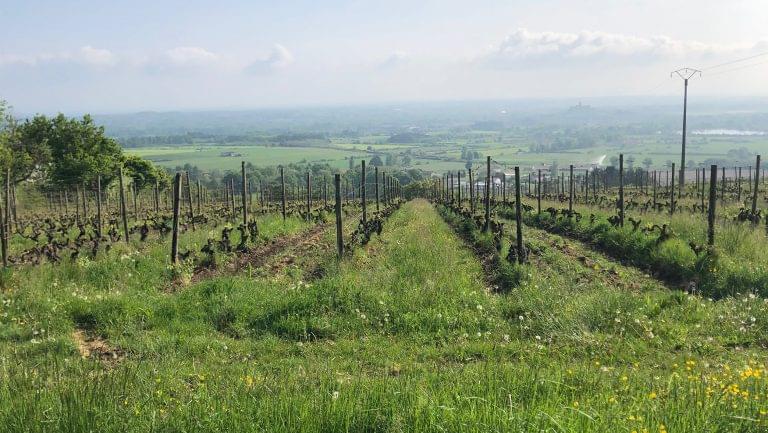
{"x":404,"y":335}
{"x":209,"y":157}
{"x":736,"y":265}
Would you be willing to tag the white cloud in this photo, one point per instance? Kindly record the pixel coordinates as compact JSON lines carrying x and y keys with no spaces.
{"x":280,"y":57}
{"x":190,"y":56}
{"x":523,"y":45}
{"x":97,"y":56}
{"x":87,"y":55}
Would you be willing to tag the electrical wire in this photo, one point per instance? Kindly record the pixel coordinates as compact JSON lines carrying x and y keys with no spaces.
{"x":737,"y":68}
{"x":731,"y":62}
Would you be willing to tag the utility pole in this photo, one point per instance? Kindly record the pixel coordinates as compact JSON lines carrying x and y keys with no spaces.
{"x":686,"y":74}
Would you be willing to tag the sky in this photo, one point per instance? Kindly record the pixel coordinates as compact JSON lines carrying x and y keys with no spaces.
{"x":124,"y":56}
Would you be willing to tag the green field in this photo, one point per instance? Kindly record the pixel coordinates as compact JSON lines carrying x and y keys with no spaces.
{"x":445,"y":155}
{"x":209,"y":157}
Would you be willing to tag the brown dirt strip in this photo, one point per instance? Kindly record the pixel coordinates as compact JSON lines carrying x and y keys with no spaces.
{"x":259,"y":256}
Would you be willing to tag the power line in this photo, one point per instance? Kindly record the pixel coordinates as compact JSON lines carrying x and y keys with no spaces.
{"x":731,"y":62}
{"x":751,"y":65}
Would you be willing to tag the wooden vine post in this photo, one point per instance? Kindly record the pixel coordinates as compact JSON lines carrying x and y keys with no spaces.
{"x":189,"y":202}
{"x":376,"y":185}
{"x":231,"y":197}
{"x":703,"y":186}
{"x":621,"y":189}
{"x":755,"y":191}
{"x":487,"y":224}
{"x":471,"y":191}
{"x":362,"y":191}
{"x":458,"y":181}
{"x":519,"y":218}
{"x":672,"y":193}
{"x":339,"y":234}
{"x":135,"y":193}
{"x":199,"y":197}
{"x":123,"y":210}
{"x":175,"y":228}
{"x":504,"y":187}
{"x":282,"y":191}
{"x":722,"y":187}
{"x":4,"y":216}
{"x":309,"y":196}
{"x":98,"y":206}
{"x":712,"y":203}
{"x":570,"y":191}
{"x":538,"y":194}
{"x":244,"y":195}
{"x":85,"y":203}
{"x":157,"y":196}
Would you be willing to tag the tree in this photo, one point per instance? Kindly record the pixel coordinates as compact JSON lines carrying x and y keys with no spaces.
{"x":647,"y":163}
{"x":406,"y":160}
{"x":23,"y":147}
{"x":376,"y":161}
{"x":351,"y":163}
{"x":631,"y":162}
{"x":390,"y":160}
{"x":6,"y":133}
{"x":144,"y":173}
{"x":614,"y":161}
{"x":80,"y":151}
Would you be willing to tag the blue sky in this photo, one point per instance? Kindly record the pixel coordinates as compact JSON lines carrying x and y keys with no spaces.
{"x":120,"y":56}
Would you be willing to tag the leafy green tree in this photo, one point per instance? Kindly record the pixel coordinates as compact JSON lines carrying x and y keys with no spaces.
{"x":23,"y":147}
{"x":631,"y":162}
{"x":376,"y":161}
{"x":647,"y":163}
{"x":144,"y":173}
{"x":80,"y":151}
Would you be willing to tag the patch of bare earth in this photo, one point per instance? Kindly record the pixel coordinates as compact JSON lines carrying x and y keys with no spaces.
{"x":94,"y":347}
{"x":306,"y":247}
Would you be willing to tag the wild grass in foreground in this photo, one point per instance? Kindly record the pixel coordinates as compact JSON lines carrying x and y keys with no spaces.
{"x":403,"y":336}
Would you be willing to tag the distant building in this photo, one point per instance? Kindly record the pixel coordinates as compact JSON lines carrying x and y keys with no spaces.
{"x":230,"y":154}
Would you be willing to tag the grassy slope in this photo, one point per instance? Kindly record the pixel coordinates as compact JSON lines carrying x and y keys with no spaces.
{"x":403,"y":336}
